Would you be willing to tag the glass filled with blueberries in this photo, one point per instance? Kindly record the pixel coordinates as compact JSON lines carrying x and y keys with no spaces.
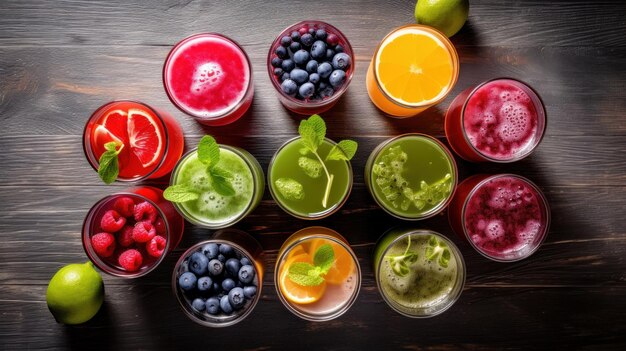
{"x":310,"y":64}
{"x":218,"y":281}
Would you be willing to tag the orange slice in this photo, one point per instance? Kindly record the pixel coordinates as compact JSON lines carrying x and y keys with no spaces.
{"x":293,"y":292}
{"x":343,"y":265}
{"x":144,"y":136}
{"x":414,"y":67}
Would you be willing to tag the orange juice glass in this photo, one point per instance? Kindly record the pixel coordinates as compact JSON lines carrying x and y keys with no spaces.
{"x":413,"y":68}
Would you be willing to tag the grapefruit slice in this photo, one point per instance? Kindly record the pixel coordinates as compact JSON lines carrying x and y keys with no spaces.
{"x":116,"y":122}
{"x":298,"y":294}
{"x":101,"y":136}
{"x":144,"y":136}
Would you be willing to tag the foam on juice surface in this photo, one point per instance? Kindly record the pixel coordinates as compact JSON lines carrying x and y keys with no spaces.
{"x":500,"y":120}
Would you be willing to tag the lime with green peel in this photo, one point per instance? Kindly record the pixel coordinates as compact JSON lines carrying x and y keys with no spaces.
{"x":75,"y":293}
{"x":448,"y":16}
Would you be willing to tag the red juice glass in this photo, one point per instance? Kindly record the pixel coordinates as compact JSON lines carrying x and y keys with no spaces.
{"x":209,"y":77}
{"x":152,"y":140}
{"x":314,"y":104}
{"x":163,"y":218}
{"x":505,"y":217}
{"x":500,"y":120}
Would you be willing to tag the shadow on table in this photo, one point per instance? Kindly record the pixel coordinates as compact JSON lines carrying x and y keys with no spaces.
{"x":92,"y":332}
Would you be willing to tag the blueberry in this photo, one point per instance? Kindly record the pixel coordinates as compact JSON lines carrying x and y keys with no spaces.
{"x":217,"y":288}
{"x":295,"y":36}
{"x":278,"y":71}
{"x":332,"y":39}
{"x":299,"y":76}
{"x":288,"y":65}
{"x":281,"y":52}
{"x":295,"y":46}
{"x":324,"y":70}
{"x":311,"y":66}
{"x":225,"y":305}
{"x":341,"y":61}
{"x":249,"y":291}
{"x":244,"y":261}
{"x":306,"y":39}
{"x":236,"y":298}
{"x":285,"y":41}
{"x":322,"y":86}
{"x":318,"y":50}
{"x":311,"y":31}
{"x":284,"y":77}
{"x":330,"y":53}
{"x":232,"y":266}
{"x":211,"y":250}
{"x":198,"y":304}
{"x":301,"y":57}
{"x":213,"y":305}
{"x":321,"y":34}
{"x":327,"y":92}
{"x":205,"y":284}
{"x":228,"y":284}
{"x":276,"y":62}
{"x":198,"y":263}
{"x":337,"y":78}
{"x":215,"y":267}
{"x":314,"y":78}
{"x":289,"y":87}
{"x":246,"y":274}
{"x":226,"y":250}
{"x":187,"y":281}
{"x":339,"y":48}
{"x":307,"y":90}
{"x":221,"y":258}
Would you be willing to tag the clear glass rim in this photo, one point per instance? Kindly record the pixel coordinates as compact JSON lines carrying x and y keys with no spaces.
{"x":318,"y":215}
{"x":444,"y":40}
{"x":461,"y":272}
{"x":542,"y":120}
{"x":184,"y":108}
{"x":311,"y":104}
{"x":545,"y":208}
{"x":370,"y":181}
{"x":91,"y":157}
{"x":340,"y":240}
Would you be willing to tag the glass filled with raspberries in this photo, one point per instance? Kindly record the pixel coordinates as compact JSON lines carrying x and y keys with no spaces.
{"x":310,"y":64}
{"x":128,"y":234}
{"x":218,"y":281}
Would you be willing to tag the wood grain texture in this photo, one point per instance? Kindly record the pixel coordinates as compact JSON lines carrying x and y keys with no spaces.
{"x":60,"y":61}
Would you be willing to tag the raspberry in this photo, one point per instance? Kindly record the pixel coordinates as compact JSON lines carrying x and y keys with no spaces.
{"x":124,"y":206}
{"x":143,"y":232}
{"x":111,"y":221}
{"x":103,"y":244}
{"x":156,"y":246}
{"x":159,"y":225}
{"x":125,"y":236}
{"x":145,"y":210}
{"x":130,"y":260}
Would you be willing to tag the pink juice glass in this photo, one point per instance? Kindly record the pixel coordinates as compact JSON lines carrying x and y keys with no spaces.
{"x":209,"y":77}
{"x":505,"y":217}
{"x":500,"y":120}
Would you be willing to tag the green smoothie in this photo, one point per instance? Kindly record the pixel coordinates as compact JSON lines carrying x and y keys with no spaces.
{"x":411,"y":176}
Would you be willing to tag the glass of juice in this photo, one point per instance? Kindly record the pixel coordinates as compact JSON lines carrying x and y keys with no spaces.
{"x":500,"y":120}
{"x":212,"y":210}
{"x":317,"y":275}
{"x":128,"y":234}
{"x":505,"y":217}
{"x":413,"y":68}
{"x":299,"y":187}
{"x":209,"y":77}
{"x":218,"y":282}
{"x":150,"y":141}
{"x":419,"y":273}
{"x":411,"y":176}
{"x":310,"y":65}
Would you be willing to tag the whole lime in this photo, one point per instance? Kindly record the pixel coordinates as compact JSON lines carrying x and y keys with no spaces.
{"x":447,"y":16}
{"x":75,"y":293}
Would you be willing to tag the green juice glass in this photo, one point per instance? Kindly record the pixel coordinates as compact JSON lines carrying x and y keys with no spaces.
{"x":419,"y":273}
{"x":212,"y":210}
{"x":411,"y":176}
{"x":305,"y":199}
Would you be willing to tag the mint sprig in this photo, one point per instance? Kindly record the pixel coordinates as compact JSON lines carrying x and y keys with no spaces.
{"x":312,"y":132}
{"x":306,"y":274}
{"x":180,"y":193}
{"x":108,"y":164}
{"x":437,"y":250}
{"x":400,"y":263}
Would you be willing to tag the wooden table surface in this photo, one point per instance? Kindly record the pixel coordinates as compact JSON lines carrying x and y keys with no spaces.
{"x":61,"y":60}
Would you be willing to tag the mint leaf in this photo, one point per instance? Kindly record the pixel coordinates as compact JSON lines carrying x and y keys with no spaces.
{"x":344,"y":150}
{"x":108,"y":164}
{"x":208,"y":151}
{"x":312,"y":131}
{"x":324,"y":258}
{"x":180,"y":193}
{"x":289,"y":188}
{"x":221,"y":172}
{"x":312,"y":168}
{"x":220,"y":183}
{"x":111,"y":146}
{"x":304,"y":274}
{"x":303,"y":151}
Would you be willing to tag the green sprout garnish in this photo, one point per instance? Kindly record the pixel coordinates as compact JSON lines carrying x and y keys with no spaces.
{"x":437,"y":250}
{"x":400,"y":263}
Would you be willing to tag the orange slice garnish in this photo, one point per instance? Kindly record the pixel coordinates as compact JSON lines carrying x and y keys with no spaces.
{"x":343,"y":265}
{"x":296,"y":293}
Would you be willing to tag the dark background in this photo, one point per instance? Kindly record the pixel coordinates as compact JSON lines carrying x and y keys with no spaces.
{"x":60,"y":60}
